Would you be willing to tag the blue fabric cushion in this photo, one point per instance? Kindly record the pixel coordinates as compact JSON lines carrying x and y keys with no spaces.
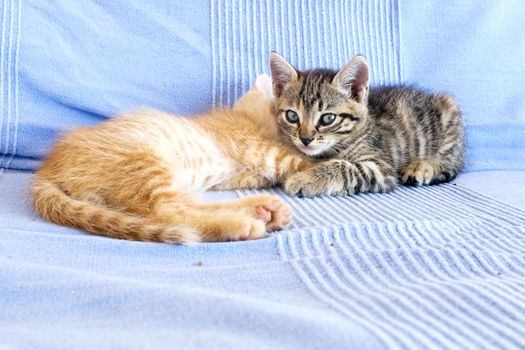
{"x":68,"y":63}
{"x":439,"y":267}
{"x":71,"y":63}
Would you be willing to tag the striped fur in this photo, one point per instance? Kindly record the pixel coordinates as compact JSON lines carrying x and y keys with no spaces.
{"x":133,"y":177}
{"x":375,"y":138}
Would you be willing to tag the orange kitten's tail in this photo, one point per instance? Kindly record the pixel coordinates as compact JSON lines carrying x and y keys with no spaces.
{"x":56,"y":206}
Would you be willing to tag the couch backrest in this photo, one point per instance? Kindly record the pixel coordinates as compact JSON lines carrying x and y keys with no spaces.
{"x":69,"y":63}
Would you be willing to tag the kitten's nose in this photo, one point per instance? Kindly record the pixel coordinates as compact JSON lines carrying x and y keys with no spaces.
{"x":306,"y":140}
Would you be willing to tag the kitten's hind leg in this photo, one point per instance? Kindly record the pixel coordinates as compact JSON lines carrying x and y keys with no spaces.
{"x":274,"y":212}
{"x":451,"y":153}
{"x":270,"y":209}
{"x":213,"y":223}
{"x":227,"y":225}
{"x":425,"y":172}
{"x":447,"y":162}
{"x":419,"y":172}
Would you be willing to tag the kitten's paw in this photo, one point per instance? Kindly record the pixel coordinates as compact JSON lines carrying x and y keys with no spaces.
{"x":245,"y":229}
{"x":304,"y":184}
{"x":326,"y":178}
{"x":257,"y":229}
{"x":231,"y":227}
{"x":271,"y":210}
{"x":419,"y":172}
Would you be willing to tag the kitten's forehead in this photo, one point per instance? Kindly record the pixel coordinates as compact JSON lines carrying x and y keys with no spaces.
{"x":313,"y":89}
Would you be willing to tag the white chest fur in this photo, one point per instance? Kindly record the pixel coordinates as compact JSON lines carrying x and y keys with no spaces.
{"x":197,"y":162}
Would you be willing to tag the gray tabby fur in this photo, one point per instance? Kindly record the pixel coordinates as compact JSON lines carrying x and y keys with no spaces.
{"x":379,"y":137}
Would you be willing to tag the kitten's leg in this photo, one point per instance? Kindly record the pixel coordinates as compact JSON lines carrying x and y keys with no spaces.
{"x":451,"y":155}
{"x":243,"y":180}
{"x":288,"y":163}
{"x":270,"y":209}
{"x":419,"y":172}
{"x":156,"y":196}
{"x":341,"y":177}
{"x":268,"y":166}
{"x":169,"y":205}
{"x":212,"y":223}
{"x":448,"y":161}
{"x":277,"y":163}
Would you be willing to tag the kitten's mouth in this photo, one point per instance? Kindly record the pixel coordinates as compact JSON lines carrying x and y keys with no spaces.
{"x":312,"y":150}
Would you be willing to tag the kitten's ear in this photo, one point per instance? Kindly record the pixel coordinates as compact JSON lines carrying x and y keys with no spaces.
{"x":263,"y":84}
{"x":282,"y":73}
{"x":353,"y":78}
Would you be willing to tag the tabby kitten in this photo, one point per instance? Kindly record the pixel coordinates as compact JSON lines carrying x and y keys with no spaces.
{"x":370,"y":139}
{"x":133,"y":177}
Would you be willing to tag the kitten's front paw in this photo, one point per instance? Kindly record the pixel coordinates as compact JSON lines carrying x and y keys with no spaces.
{"x":304,"y":184}
{"x":325,"y":178}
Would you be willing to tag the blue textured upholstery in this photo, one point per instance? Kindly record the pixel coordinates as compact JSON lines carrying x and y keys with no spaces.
{"x":434,"y":268}
{"x":420,"y":268}
{"x":67,"y":63}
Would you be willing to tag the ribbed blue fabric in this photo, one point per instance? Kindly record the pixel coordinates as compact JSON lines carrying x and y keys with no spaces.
{"x":309,"y":33}
{"x":66,"y":64}
{"x":438,"y":267}
{"x":9,"y":79}
{"x":432,"y":267}
{"x":428,"y":268}
{"x":449,"y":205}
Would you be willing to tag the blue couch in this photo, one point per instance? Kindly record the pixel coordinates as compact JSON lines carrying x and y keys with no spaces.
{"x":432,"y":267}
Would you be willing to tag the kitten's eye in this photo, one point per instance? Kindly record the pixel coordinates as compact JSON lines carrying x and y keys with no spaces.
{"x":327,"y":119}
{"x":292,"y":117}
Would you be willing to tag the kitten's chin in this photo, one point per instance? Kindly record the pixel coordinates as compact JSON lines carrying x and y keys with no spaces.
{"x":313,"y":151}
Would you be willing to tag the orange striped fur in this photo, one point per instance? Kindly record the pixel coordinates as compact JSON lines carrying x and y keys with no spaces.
{"x":135,"y":176}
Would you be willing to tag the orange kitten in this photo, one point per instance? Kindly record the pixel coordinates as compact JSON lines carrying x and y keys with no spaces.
{"x":134,"y":176}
